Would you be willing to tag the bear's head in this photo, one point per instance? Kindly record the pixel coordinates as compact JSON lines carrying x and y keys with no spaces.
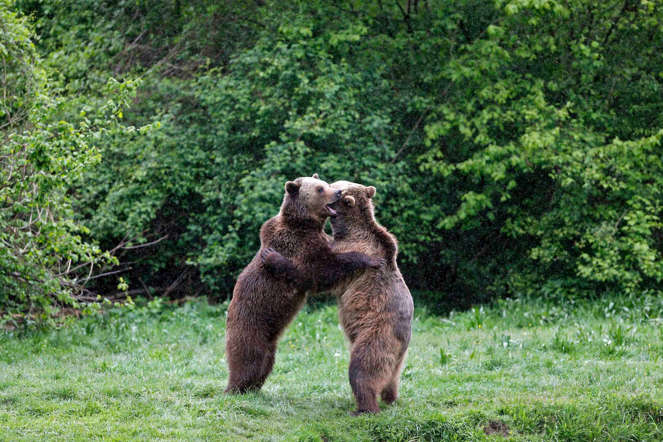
{"x":309,"y":200}
{"x":355,"y":205}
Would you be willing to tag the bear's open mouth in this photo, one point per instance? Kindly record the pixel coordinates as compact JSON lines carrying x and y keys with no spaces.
{"x":331,"y":211}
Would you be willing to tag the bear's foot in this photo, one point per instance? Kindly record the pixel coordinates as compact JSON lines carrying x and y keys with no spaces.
{"x":389,"y":394}
{"x":360,"y":412}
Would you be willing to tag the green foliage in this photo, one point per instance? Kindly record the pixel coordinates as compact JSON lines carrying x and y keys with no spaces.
{"x":20,"y":75}
{"x":42,"y":248}
{"x":530,"y":134}
{"x":514,"y":144}
{"x":289,"y":107}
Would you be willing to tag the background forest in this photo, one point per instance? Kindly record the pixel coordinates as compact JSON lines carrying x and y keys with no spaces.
{"x":515,"y":145}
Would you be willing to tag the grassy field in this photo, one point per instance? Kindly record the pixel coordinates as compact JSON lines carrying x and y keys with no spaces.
{"x":519,"y":370}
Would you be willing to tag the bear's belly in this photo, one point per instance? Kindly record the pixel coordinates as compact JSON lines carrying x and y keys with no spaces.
{"x":376,"y":301}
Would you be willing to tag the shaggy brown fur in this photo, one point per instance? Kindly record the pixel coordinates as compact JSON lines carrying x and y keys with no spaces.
{"x":265,"y":301}
{"x":375,"y":307}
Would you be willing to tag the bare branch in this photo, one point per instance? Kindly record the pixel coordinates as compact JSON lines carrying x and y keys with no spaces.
{"x":147,"y":244}
{"x":407,"y":140}
{"x":101,"y":275}
{"x":175,"y":283}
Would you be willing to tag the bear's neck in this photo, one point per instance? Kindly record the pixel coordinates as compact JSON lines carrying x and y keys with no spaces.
{"x":344,"y":228}
{"x":296,"y":216}
{"x":357,"y":230}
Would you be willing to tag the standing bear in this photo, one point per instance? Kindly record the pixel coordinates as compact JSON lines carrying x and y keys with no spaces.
{"x":264,"y":302}
{"x":375,"y":306}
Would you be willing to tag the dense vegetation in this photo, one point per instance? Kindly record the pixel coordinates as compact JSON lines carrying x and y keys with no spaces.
{"x":527,"y":371}
{"x":515,"y":145}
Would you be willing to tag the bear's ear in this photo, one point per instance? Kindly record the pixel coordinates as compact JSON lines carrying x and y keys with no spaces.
{"x":292,"y":187}
{"x":349,"y":201}
{"x":370,"y":191}
{"x":315,"y":175}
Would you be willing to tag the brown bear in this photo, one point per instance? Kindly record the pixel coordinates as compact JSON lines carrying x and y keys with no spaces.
{"x":267,"y":294}
{"x":375,"y":307}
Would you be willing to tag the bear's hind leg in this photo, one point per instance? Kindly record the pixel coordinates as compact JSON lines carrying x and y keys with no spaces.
{"x":368,"y":372}
{"x":390,"y":392}
{"x":364,"y":391}
{"x":266,"y":366}
{"x":243,"y":380}
{"x":247,"y":367}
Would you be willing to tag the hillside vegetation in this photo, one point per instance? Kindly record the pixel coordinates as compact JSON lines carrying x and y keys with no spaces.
{"x":515,"y":145}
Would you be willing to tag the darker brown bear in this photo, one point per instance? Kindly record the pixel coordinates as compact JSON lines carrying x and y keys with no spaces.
{"x":265,"y":301}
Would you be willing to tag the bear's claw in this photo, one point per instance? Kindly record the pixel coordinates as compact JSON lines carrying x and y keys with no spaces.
{"x":376,"y":263}
{"x":266,"y":253}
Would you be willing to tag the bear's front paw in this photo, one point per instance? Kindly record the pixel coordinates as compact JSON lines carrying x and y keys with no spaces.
{"x":376,"y":263}
{"x":266,"y":254}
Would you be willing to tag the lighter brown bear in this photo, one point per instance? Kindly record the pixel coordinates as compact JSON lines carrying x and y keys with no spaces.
{"x":268,"y":294}
{"x":375,"y":305}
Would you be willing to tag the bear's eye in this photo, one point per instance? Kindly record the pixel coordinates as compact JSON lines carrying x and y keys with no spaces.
{"x":320,"y":189}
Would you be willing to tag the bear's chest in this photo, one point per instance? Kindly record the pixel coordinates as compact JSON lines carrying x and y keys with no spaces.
{"x":298,"y":246}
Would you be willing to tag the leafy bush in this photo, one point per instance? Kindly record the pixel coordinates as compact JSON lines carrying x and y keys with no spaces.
{"x":44,"y":257}
{"x":530,"y":134}
{"x":288,"y":106}
{"x":515,"y":144}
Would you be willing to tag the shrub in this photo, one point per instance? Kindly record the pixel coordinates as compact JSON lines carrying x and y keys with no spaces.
{"x":514,"y":144}
{"x":45,"y":260}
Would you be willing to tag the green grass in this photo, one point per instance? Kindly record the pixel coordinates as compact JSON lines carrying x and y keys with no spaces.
{"x":525,"y":370}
